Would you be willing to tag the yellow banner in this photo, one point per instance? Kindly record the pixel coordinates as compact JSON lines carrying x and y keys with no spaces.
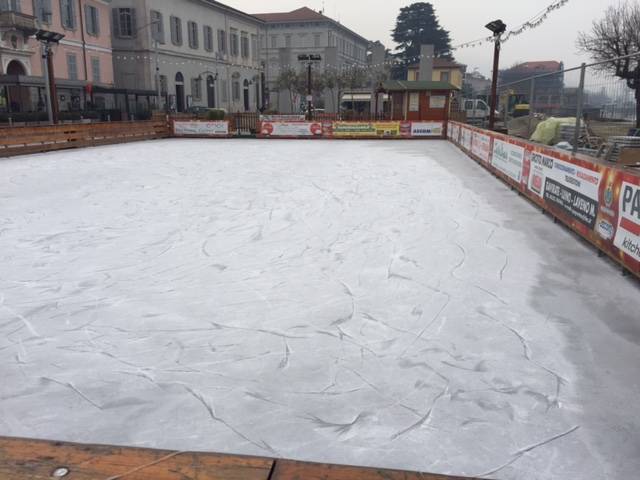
{"x":366,"y":129}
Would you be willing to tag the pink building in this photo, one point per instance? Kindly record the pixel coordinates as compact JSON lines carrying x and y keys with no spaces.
{"x":82,"y":61}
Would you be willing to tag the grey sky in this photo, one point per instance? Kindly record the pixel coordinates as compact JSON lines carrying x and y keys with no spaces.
{"x":465,"y":19}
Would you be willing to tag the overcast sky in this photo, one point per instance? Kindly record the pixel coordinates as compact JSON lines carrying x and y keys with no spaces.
{"x":465,"y":19}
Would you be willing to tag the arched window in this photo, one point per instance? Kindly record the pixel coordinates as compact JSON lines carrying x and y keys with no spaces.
{"x":179,"y":78}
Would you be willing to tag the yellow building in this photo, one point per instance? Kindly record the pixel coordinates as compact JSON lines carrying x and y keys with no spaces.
{"x":443,"y":71}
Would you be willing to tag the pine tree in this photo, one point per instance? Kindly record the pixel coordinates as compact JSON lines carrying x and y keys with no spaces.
{"x":418,"y":25}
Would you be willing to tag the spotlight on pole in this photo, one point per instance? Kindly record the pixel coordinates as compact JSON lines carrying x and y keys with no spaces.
{"x":48,"y":38}
{"x":310,"y":59}
{"x":497,"y":27}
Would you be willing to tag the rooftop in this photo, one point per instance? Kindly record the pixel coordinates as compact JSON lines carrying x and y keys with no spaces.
{"x":441,"y":63}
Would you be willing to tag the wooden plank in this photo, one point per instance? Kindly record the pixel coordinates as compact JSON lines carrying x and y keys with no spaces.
{"x":289,"y":470}
{"x":37,"y":460}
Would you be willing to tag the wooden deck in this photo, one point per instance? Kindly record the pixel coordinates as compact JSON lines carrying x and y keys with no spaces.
{"x":23,"y":459}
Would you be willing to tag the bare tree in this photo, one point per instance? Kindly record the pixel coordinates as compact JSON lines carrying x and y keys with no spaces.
{"x":293,"y":83}
{"x":614,"y":36}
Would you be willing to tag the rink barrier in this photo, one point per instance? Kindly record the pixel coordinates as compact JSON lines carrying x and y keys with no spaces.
{"x":36,"y":139}
{"x":598,"y":201}
{"x":27,"y":459}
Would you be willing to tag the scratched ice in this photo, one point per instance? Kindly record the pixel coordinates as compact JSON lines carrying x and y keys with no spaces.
{"x":371,"y":303}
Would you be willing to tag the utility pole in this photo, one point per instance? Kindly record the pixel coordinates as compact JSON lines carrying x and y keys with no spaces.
{"x":498,"y":27}
{"x":158,"y":89}
{"x":48,"y":38}
{"x":55,"y":113}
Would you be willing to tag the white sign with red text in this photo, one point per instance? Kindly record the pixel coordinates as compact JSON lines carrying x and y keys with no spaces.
{"x":627,"y":236}
{"x":201,"y":129}
{"x":291,"y":129}
{"x":481,"y":146}
{"x":508,"y":158}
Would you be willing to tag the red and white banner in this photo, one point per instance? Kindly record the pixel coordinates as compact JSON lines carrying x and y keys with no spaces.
{"x":291,"y":129}
{"x":508,"y":158}
{"x":481,"y":146}
{"x":201,"y":129}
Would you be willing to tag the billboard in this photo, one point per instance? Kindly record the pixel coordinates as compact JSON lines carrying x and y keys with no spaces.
{"x":481,"y":146}
{"x":627,"y":237}
{"x":201,"y":129}
{"x":427,"y":129}
{"x":291,"y":129}
{"x":508,"y":159}
{"x":366,"y":129}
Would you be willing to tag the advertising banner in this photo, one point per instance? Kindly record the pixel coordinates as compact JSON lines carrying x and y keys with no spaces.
{"x":454,"y":131}
{"x":571,"y":188}
{"x":627,"y":237}
{"x":466,"y":136}
{"x":481,"y":146}
{"x":291,"y":129}
{"x":508,"y":158}
{"x":426,"y":129}
{"x":201,"y":129}
{"x":366,"y":129}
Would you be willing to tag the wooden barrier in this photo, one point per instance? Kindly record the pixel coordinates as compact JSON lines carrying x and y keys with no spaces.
{"x":24,"y":140}
{"x":37,"y":460}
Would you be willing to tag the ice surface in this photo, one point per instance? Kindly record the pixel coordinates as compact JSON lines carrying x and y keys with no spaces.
{"x":374,"y":303}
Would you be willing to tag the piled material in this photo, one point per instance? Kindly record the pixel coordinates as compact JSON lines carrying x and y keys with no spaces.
{"x":615,"y":145}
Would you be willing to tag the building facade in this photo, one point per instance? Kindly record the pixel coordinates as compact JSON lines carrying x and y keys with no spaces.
{"x":442,"y":70}
{"x":206,"y":53}
{"x":548,"y":90}
{"x":304,"y":31}
{"x":82,"y":60}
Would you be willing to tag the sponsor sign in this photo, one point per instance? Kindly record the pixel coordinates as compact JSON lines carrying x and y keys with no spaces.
{"x":201,"y":129}
{"x":291,"y":129}
{"x":366,"y":129}
{"x":481,"y":146}
{"x":454,"y":131}
{"x":572,"y":188}
{"x":426,"y":129}
{"x":282,"y":118}
{"x":466,"y":138}
{"x":627,"y":237}
{"x":508,"y":158}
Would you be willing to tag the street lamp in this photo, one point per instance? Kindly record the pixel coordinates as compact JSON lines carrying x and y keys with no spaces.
{"x":310,"y":59}
{"x":155,"y":36}
{"x":497,"y":27}
{"x":48,"y":38}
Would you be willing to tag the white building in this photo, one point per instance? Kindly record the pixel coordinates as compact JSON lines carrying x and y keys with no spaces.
{"x":207,"y":53}
{"x":306,"y":32}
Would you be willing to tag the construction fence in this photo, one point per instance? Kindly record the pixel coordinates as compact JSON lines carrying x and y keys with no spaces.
{"x":586,"y":109}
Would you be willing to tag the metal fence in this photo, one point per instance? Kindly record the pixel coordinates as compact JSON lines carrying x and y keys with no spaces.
{"x":597,"y":107}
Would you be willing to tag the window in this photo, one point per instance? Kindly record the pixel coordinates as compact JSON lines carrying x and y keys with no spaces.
{"x":42,"y":10}
{"x":176,"y":31}
{"x":233,"y":47}
{"x":254,"y":47}
{"x":207,"y":35}
{"x":192,"y":30}
{"x":225,"y":91}
{"x":236,"y":90}
{"x":287,"y":41}
{"x":124,"y":22}
{"x":95,"y":69}
{"x":196,"y":88}
{"x":92,"y":20}
{"x":68,"y":14}
{"x":157,"y":26}
{"x":444,"y":76}
{"x":9,"y":5}
{"x":274,"y":41}
{"x":316,"y":40}
{"x":72,"y":66}
{"x":164,"y":85}
{"x":222,"y":41}
{"x":244,"y":45}
{"x":261,"y":41}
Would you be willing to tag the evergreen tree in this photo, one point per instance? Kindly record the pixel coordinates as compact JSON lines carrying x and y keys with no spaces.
{"x":418,"y":25}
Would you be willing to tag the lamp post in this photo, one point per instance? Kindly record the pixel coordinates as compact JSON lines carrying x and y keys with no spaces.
{"x":310,"y":59}
{"x":47,"y":39}
{"x":154,"y":36}
{"x":497,"y":27}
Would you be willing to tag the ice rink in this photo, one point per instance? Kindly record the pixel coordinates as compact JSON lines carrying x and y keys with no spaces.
{"x":374,"y":303}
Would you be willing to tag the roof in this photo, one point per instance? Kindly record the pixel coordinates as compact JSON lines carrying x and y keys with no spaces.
{"x":404,"y":85}
{"x":537,"y":67}
{"x":441,"y":63}
{"x":303,"y":14}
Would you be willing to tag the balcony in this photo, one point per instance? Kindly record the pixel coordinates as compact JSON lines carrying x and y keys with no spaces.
{"x":18,"y":21}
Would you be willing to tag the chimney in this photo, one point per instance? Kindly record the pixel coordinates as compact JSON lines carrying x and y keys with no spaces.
{"x":426,"y":63}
